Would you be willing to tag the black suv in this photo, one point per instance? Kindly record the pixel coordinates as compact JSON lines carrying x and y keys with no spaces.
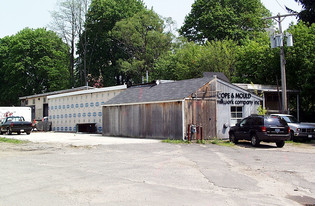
{"x":258,"y":128}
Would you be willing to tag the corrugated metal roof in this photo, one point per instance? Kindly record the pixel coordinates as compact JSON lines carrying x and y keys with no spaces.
{"x":177,"y":90}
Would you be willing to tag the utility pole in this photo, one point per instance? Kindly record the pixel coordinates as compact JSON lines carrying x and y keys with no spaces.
{"x":279,"y":18}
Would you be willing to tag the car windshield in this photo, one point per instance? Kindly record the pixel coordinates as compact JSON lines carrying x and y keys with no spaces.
{"x":290,"y":119}
{"x":274,"y":121}
{"x":15,"y":119}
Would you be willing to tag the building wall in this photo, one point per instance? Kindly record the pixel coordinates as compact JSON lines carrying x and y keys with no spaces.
{"x":201,"y":111}
{"x":211,"y":107}
{"x":230,"y":97}
{"x":37,"y":104}
{"x":151,"y":120}
{"x":67,"y":111}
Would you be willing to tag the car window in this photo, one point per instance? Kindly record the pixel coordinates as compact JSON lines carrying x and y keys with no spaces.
{"x":290,"y":119}
{"x":258,"y":121}
{"x":243,"y":122}
{"x":275,"y":121}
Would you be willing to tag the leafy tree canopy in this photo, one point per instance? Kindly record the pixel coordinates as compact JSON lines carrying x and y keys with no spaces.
{"x":190,"y":60}
{"x":308,"y":12}
{"x":257,"y":62}
{"x":143,"y":40}
{"x":102,"y":51}
{"x":300,"y":65}
{"x":32,"y":62}
{"x":221,"y":19}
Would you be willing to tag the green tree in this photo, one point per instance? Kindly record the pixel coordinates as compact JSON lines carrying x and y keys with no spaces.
{"x":190,"y":60}
{"x":102,"y":50}
{"x":32,"y":62}
{"x":308,"y":12}
{"x":221,"y":19}
{"x":257,"y":62}
{"x":143,"y":39}
{"x":300,"y":65}
{"x":219,"y":56}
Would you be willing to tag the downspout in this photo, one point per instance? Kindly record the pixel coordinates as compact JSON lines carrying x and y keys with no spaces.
{"x":216,"y":106}
{"x":298,"y":106}
{"x":183,"y":119}
{"x":264,"y":103}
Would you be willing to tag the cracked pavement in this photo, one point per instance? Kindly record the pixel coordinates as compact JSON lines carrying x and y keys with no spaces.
{"x":155,"y":173}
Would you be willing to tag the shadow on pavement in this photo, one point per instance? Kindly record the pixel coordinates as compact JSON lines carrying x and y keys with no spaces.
{"x":262,"y":145}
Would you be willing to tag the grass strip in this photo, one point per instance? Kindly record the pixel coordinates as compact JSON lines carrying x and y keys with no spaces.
{"x":12,"y":141}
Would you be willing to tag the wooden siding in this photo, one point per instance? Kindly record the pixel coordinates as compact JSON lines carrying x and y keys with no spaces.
{"x":200,"y":110}
{"x":155,"y":120}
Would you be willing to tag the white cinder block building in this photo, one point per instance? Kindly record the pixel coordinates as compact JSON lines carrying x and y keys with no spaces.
{"x":80,"y":111}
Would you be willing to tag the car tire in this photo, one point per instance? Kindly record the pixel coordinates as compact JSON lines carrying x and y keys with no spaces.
{"x":292,"y":137}
{"x":280,"y":144}
{"x":233,"y":139}
{"x":254,"y":140}
{"x":28,"y":133}
{"x":9,"y":132}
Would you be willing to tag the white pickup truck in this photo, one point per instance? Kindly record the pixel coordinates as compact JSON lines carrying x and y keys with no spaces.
{"x":299,"y":131}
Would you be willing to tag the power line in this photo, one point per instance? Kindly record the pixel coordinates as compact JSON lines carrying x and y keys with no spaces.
{"x":281,"y":6}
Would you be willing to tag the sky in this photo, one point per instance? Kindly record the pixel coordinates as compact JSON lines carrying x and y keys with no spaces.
{"x":16,"y":15}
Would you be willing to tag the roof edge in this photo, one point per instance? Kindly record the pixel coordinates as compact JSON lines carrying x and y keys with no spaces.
{"x":137,"y":103}
{"x":95,"y":90}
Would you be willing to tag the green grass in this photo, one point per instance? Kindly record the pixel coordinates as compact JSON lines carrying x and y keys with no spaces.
{"x":220,"y":142}
{"x":300,"y":143}
{"x":12,"y":141}
{"x":172,"y":141}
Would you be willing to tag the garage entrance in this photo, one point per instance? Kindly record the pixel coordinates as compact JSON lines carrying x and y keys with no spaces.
{"x":86,"y":127}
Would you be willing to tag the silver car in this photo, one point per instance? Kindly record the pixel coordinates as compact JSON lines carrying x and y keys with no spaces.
{"x":299,"y":131}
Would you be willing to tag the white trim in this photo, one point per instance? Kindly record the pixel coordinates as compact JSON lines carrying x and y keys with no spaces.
{"x":183,"y":118}
{"x":90,"y":91}
{"x":127,"y":104}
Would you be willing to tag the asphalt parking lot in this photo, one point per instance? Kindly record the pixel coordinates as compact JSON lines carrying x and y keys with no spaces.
{"x":80,"y":169}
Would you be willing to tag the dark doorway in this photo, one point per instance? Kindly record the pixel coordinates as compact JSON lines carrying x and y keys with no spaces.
{"x":86,"y":127}
{"x":33,"y":112}
{"x":45,"y":110}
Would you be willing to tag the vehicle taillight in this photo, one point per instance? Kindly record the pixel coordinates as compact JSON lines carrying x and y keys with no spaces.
{"x":11,"y":124}
{"x":298,"y":129}
{"x":289,"y":129}
{"x":263,"y":129}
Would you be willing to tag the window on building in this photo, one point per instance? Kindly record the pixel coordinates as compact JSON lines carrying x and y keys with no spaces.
{"x":33,"y":101}
{"x":236,"y":115}
{"x":44,"y":99}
